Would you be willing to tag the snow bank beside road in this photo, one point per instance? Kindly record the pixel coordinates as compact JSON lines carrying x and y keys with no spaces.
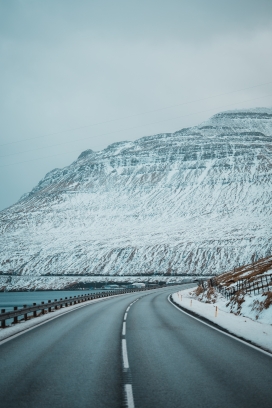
{"x":258,"y":333}
{"x":255,"y":306}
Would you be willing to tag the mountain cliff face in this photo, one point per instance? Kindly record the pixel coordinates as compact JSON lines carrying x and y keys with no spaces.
{"x":194,"y":201}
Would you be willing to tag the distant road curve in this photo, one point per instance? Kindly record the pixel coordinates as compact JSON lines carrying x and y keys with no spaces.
{"x":132,"y":350}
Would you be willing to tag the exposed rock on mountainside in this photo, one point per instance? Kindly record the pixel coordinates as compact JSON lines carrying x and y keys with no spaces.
{"x":194,"y":201}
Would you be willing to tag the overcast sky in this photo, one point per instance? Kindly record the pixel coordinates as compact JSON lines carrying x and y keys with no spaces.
{"x":77,"y":75}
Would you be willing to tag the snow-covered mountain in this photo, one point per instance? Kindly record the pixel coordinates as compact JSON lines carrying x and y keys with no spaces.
{"x":194,"y":201}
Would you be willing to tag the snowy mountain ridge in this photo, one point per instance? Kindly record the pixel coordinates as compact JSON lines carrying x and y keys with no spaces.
{"x":194,"y":201}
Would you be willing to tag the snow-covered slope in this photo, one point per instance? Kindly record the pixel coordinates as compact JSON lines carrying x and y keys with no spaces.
{"x":194,"y":201}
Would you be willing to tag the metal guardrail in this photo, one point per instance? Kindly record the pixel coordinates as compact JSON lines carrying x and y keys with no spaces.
{"x":58,"y":304}
{"x":245,"y":285}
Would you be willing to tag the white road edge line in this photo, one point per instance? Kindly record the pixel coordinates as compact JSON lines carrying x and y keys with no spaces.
{"x":124,"y":329}
{"x":125,"y":355}
{"x":221,"y":331}
{"x":125,"y":317}
{"x":129,"y":395}
{"x":128,"y":309}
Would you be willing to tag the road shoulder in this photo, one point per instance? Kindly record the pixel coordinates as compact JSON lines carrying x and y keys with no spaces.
{"x":253,"y":333}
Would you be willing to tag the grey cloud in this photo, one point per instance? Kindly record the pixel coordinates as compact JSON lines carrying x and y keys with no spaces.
{"x":192,"y":20}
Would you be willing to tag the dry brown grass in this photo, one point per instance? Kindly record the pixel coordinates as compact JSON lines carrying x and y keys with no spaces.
{"x":210,"y":294}
{"x":259,"y":306}
{"x":268,"y":300}
{"x":238,"y":298}
{"x":199,"y":290}
{"x":249,"y":272}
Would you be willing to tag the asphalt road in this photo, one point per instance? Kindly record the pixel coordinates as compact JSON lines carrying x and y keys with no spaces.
{"x":77,"y":360}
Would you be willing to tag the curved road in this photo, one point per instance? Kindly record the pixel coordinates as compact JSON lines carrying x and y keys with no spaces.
{"x":160,"y":357}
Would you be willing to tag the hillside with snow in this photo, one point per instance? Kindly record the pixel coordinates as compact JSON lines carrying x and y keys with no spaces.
{"x":194,"y":201}
{"x":239,"y":301}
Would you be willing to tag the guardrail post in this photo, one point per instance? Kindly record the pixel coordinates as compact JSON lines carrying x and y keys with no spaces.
{"x":56,"y":306}
{"x":25,"y":315}
{"x":35,"y":311}
{"x":15,"y":319}
{"x":50,"y":308}
{"x":3,"y":322}
{"x":43,"y":311}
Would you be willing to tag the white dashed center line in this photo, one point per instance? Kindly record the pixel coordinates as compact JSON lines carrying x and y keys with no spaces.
{"x":128,"y":386}
{"x":129,"y":394}
{"x":125,"y":355}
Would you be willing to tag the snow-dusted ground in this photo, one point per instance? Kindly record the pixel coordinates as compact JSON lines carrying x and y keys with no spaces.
{"x":258,"y":332}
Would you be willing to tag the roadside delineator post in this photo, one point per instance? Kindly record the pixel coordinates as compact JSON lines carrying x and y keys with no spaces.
{"x":216,"y":311}
{"x":191,"y":303}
